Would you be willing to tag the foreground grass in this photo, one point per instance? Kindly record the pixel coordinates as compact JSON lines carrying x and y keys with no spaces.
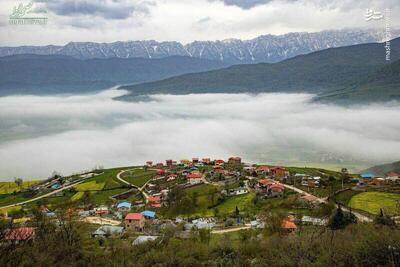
{"x":372,"y":202}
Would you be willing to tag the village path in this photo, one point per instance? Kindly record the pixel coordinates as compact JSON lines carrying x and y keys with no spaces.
{"x":223,"y":231}
{"x":141,"y":189}
{"x":45,"y":195}
{"x":359,"y":216}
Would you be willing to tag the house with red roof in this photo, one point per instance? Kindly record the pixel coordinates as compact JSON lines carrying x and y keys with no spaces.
{"x":20,"y":234}
{"x":160,"y":172}
{"x":263,"y":170}
{"x":134,"y":221}
{"x":155,"y":201}
{"x":265,"y":183}
{"x":235,"y":160}
{"x":219,"y":162}
{"x":194,"y":177}
{"x":392,"y":176}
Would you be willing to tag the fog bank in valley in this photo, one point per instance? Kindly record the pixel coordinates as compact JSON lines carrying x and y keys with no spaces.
{"x":39,"y":134}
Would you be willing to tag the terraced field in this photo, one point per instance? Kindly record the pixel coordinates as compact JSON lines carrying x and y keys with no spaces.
{"x":10,"y":187}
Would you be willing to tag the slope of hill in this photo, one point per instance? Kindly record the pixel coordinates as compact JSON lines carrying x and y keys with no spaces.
{"x":318,"y":72}
{"x":380,"y":86}
{"x":265,"y":48}
{"x":41,"y":74}
{"x":385,"y":168}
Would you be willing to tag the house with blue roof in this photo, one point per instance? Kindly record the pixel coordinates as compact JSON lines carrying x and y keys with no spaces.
{"x":367,"y":175}
{"x":125,"y":205}
{"x":149,"y":214}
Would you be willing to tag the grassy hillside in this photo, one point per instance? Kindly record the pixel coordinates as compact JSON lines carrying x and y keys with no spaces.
{"x":37,"y":74}
{"x":382,"y":85}
{"x":322,"y":71}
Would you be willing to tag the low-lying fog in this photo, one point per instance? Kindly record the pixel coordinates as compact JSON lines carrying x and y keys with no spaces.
{"x":40,"y":134}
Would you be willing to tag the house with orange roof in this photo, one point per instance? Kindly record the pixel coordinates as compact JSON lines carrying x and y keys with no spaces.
{"x":206,"y":160}
{"x":288,"y":226}
{"x":279,"y":172}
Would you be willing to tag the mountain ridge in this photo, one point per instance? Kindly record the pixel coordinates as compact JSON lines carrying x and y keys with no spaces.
{"x":317,"y":72}
{"x":264,"y":48}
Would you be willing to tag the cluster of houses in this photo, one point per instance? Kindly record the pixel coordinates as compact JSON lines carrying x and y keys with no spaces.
{"x":140,"y":216}
{"x":370,"y":179}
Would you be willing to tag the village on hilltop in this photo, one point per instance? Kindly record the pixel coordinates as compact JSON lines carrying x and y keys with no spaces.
{"x":189,"y":195}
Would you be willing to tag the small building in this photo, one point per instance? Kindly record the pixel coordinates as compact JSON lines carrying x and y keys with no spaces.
{"x":102,"y":210}
{"x":149,"y":214}
{"x":143,"y":239}
{"x":155,"y":201}
{"x":219,"y":162}
{"x":149,"y":163}
{"x":134,"y":221}
{"x":195,"y":160}
{"x":169,"y":163}
{"x":309,"y":199}
{"x":263,"y":170}
{"x":276,"y":190}
{"x":108,"y":230}
{"x":279,"y":172}
{"x":21,"y":234}
{"x":235,"y":160}
{"x":367,"y":175}
{"x":314,"y":221}
{"x":124,"y":206}
{"x":206,"y":160}
{"x":392,"y":176}
{"x":194,"y":177}
{"x":288,"y":226}
{"x":160,"y":172}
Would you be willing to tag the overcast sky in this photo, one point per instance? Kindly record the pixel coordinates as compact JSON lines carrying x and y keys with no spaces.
{"x":185,"y":20}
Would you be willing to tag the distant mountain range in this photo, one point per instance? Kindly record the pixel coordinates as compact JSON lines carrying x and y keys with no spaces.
{"x":54,"y":74}
{"x":345,"y":69}
{"x":265,"y":48}
{"x":384,"y":168}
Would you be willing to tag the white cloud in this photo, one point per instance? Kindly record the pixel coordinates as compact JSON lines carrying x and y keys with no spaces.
{"x":68,"y":134}
{"x":108,"y":21}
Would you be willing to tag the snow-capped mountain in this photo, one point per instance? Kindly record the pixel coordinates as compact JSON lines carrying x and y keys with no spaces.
{"x":265,"y":48}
